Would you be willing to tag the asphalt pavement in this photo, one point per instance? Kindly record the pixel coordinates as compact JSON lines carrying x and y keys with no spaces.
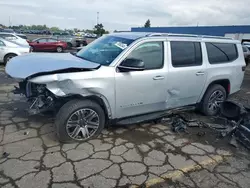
{"x":145,"y":155}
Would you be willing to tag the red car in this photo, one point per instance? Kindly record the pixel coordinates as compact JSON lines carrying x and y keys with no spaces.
{"x":47,"y":44}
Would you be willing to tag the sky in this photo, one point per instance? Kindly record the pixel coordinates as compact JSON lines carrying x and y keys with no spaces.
{"x":124,"y":14}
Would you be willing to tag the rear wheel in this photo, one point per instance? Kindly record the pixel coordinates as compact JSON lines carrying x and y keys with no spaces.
{"x":69,"y":45}
{"x":59,"y":49}
{"x":215,"y":95}
{"x":8,"y":57}
{"x":79,"y":120}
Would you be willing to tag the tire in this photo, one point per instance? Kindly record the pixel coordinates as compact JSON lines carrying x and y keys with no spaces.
{"x":69,"y":45}
{"x":69,"y":111}
{"x":210,"y":104}
{"x":59,"y":49}
{"x":31,"y":49}
{"x":8,"y":57}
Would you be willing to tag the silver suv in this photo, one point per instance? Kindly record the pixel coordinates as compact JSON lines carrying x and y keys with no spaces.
{"x":126,"y":78}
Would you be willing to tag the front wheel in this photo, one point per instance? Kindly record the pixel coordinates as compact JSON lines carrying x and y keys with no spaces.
{"x":8,"y":57}
{"x":59,"y":49}
{"x":79,"y":120}
{"x":214,"y":96}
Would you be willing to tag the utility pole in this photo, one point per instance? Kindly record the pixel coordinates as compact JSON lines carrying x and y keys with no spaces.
{"x":97,"y":19}
{"x":9,"y":22}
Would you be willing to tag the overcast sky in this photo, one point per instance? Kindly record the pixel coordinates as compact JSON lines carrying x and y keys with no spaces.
{"x":124,"y":14}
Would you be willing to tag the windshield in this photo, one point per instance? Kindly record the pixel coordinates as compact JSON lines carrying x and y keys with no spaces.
{"x":104,"y":50}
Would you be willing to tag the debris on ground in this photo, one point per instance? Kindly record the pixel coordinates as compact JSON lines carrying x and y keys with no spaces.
{"x":234,"y":118}
{"x":5,"y":155}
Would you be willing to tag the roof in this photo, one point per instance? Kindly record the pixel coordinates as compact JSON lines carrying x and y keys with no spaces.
{"x":198,"y":30}
{"x":137,"y":35}
{"x":131,"y":35}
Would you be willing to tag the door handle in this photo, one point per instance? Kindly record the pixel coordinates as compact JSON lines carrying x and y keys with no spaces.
{"x":158,"y":77}
{"x":200,"y":73}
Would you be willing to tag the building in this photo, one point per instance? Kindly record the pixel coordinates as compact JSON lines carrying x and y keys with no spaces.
{"x":240,"y":32}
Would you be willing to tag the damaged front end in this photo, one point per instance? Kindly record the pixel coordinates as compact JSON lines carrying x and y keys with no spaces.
{"x":39,"y":97}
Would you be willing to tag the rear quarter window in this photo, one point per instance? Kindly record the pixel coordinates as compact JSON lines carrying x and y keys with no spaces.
{"x":221,"y":52}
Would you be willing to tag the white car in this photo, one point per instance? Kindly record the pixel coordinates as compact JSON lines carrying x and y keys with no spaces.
{"x":13,"y":37}
{"x":10,"y":49}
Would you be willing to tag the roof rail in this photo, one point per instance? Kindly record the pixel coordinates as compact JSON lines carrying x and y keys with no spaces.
{"x":185,"y":35}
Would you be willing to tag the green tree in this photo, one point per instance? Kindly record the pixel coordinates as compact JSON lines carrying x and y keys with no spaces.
{"x":54,"y":29}
{"x":147,"y":24}
{"x":99,"y":29}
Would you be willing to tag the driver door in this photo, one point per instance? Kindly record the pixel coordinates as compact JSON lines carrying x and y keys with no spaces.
{"x":140,"y":92}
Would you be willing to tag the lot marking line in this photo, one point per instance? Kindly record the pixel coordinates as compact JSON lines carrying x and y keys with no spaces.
{"x":179,"y":173}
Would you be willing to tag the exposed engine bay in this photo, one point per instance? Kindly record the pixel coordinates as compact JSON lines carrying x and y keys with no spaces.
{"x":39,"y":97}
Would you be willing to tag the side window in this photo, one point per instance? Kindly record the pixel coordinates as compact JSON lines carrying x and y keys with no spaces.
{"x":221,"y":52}
{"x":52,"y":40}
{"x":2,"y":43}
{"x":151,"y":53}
{"x":42,"y":40}
{"x":185,"y":54}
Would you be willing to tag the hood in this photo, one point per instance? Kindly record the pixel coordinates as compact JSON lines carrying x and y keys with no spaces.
{"x":36,"y":63}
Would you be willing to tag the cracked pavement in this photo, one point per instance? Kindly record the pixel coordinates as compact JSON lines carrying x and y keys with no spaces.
{"x":145,"y":155}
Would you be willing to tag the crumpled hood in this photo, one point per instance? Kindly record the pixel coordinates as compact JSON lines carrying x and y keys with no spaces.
{"x":26,"y":65}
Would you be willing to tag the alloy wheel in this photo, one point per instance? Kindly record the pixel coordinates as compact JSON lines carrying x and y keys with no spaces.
{"x":82,"y":124}
{"x":215,"y":100}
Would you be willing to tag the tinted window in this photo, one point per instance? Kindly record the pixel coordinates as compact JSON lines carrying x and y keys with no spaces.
{"x":151,"y":53}
{"x":52,"y":40}
{"x":186,"y":54}
{"x":221,"y":52}
{"x":42,"y":40}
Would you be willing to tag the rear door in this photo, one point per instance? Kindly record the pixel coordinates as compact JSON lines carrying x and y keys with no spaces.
{"x":41,"y":44}
{"x":52,"y":44}
{"x":187,"y":73}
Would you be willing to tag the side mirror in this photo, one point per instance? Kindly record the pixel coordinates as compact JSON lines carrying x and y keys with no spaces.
{"x":37,"y":42}
{"x":131,"y":64}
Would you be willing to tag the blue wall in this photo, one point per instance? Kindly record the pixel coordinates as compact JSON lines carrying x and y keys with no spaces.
{"x":201,"y":30}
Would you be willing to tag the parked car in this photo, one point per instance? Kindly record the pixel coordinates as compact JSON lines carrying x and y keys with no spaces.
{"x":126,"y":78}
{"x":72,"y":41}
{"x":246,"y":54}
{"x":47,"y":44}
{"x":10,"y":49}
{"x":23,"y":36}
{"x":14,"y":38}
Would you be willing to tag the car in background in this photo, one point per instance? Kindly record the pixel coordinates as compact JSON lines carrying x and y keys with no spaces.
{"x":72,"y":41}
{"x":246,"y":52}
{"x":23,"y":36}
{"x":7,"y":30}
{"x":14,"y":38}
{"x":48,"y":44}
{"x":10,"y":49}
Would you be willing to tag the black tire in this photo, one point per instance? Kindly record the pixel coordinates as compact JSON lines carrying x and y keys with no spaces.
{"x":70,"y":108}
{"x":59,"y":49}
{"x":32,"y":49}
{"x":8,"y":57}
{"x":84,"y":43}
{"x":204,"y":106}
{"x":69,"y":45}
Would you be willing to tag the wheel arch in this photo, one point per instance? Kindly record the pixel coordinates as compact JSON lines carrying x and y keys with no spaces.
{"x":223,"y":82}
{"x":101,"y":100}
{"x":6,"y":55}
